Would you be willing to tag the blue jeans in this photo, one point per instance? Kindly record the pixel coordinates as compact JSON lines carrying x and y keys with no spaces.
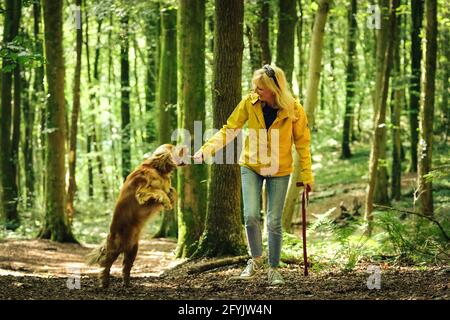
{"x":276,"y":193}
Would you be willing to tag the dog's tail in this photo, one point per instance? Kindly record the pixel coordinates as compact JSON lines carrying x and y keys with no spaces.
{"x":97,"y":256}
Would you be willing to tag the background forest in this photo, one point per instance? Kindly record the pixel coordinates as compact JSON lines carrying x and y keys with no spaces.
{"x":88,"y":87}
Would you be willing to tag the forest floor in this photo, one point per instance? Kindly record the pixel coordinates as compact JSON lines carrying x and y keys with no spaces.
{"x":41,"y":269}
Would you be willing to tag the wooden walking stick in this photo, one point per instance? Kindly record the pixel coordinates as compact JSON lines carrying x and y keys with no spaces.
{"x":305,"y":198}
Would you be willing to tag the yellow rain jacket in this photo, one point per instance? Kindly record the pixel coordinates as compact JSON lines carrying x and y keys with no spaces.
{"x":268,"y":152}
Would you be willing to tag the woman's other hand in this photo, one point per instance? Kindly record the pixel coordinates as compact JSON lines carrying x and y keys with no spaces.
{"x":198,"y":156}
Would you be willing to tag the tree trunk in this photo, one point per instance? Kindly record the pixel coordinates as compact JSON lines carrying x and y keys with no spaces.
{"x":224,"y":192}
{"x":425,"y":191}
{"x":287,"y":18}
{"x":55,"y":226}
{"x":350,"y":80}
{"x":152,"y":40}
{"x":191,"y":106}
{"x":9,"y":194}
{"x":396,"y":101}
{"x":74,"y":121}
{"x":29,"y":116}
{"x":125,"y":96}
{"x":88,"y":123}
{"x":37,"y":96}
{"x":310,"y":104}
{"x":315,"y":59}
{"x":262,"y":33}
{"x":301,"y":54}
{"x":167,"y":99}
{"x":380,"y":125}
{"x":414,"y":85}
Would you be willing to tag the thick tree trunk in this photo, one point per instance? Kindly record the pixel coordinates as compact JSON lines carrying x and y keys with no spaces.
{"x":55,"y":226}
{"x":350,"y":80}
{"x":287,"y":18}
{"x":414,"y":85}
{"x":380,"y":126}
{"x":425,"y":147}
{"x":224,"y":192}
{"x":74,"y":121}
{"x":9,"y":192}
{"x":167,"y":99}
{"x":191,"y":105}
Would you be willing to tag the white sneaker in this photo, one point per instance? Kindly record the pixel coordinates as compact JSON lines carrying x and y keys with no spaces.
{"x":249,"y":272}
{"x":275,"y":278}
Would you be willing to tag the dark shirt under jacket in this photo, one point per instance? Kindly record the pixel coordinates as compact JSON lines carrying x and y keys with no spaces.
{"x":270,"y":114}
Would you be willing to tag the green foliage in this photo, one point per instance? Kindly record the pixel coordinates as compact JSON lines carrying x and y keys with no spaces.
{"x":20,"y":51}
{"x":413,"y":241}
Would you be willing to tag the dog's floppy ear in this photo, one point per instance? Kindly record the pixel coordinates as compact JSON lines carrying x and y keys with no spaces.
{"x":163,"y":162}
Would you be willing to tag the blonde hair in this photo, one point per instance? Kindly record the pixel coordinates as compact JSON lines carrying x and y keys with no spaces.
{"x":283,"y":96}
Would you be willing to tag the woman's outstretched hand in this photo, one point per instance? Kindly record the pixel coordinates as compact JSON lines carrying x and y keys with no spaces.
{"x":198,"y":156}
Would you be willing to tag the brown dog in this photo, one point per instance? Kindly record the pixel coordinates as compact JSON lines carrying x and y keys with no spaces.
{"x":145,"y":192}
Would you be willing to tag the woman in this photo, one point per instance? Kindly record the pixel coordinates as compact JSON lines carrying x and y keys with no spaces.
{"x":275,"y":121}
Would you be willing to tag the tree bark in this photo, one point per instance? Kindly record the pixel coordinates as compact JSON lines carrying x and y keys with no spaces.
{"x":224,"y":192}
{"x":72,"y":158}
{"x":380,"y":125}
{"x":414,"y":85}
{"x":191,"y":106}
{"x":315,"y":59}
{"x":396,"y":100}
{"x":9,"y":192}
{"x":125,"y":96}
{"x":167,"y":99}
{"x":55,"y":226}
{"x":310,"y":104}
{"x":425,"y":146}
{"x":262,"y":33}
{"x":287,"y":18}
{"x":350,"y":80}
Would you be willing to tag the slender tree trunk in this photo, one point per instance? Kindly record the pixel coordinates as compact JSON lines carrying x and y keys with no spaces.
{"x":167,"y":99}
{"x":315,"y":58}
{"x":9,"y":194}
{"x":55,"y":226}
{"x":152,"y":39}
{"x":310,"y":104}
{"x":380,"y":127}
{"x":88,"y":123}
{"x":125,"y":96}
{"x":38,"y":97}
{"x":95,"y":100}
{"x":301,"y":55}
{"x":191,"y":106}
{"x":350,"y":80}
{"x":262,"y":33}
{"x":287,"y":19}
{"x":74,"y":121}
{"x":414,"y":85}
{"x":396,"y":100}
{"x":425,"y":147}
{"x":381,"y":182}
{"x":224,"y":192}
{"x":28,"y":115}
